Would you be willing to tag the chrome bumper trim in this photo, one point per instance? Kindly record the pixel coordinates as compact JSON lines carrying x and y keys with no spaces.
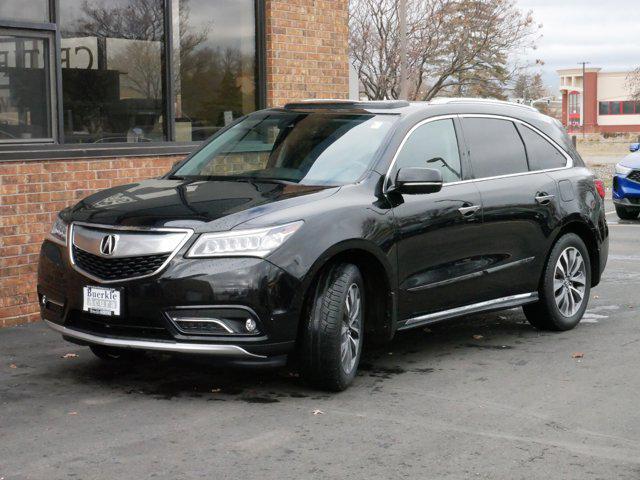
{"x":498,"y":303}
{"x":169,"y":346}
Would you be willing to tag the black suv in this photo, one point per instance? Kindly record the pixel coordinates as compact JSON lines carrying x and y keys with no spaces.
{"x":298,"y":232}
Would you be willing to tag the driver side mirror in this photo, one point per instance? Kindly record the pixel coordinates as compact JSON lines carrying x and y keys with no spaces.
{"x":418,"y":180}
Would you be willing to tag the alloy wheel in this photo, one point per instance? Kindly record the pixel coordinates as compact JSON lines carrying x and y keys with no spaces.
{"x":569,"y":281}
{"x":351,"y":328}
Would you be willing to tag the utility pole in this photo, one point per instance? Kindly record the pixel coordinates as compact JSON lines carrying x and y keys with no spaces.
{"x":402,"y":32}
{"x":584,"y":70}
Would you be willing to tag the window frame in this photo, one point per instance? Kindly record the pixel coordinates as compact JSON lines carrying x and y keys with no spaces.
{"x":51,"y":93}
{"x":57,"y":144}
{"x":621,"y":104}
{"x":518,"y":121}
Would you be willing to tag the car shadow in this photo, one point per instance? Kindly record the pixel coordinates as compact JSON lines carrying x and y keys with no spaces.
{"x":416,"y":351}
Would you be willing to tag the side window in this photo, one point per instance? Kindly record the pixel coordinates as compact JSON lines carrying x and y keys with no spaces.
{"x":541,"y":153}
{"x":495,"y":146}
{"x":433,"y":145}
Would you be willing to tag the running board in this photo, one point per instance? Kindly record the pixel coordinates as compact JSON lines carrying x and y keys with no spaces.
{"x":496,"y":304}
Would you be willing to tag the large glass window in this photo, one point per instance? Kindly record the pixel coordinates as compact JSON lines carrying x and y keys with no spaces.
{"x":496,"y":147}
{"x":542,"y":155}
{"x":433,"y":145}
{"x":214,"y":54}
{"x":112,"y":70}
{"x":304,"y":148}
{"x":25,"y":105}
{"x":26,"y":10}
{"x":116,"y":71}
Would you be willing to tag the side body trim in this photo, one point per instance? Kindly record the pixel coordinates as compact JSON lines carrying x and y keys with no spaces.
{"x":496,"y":304}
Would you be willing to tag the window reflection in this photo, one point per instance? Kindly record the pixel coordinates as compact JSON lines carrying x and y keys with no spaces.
{"x":214,"y":64}
{"x":112,"y":70}
{"x":24,"y":102}
{"x":28,"y":11}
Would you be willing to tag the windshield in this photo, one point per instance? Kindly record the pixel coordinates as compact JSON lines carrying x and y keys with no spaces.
{"x":305,"y":148}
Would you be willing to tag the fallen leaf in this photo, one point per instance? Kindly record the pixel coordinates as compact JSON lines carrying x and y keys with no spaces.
{"x":73,"y":413}
{"x":70,"y":355}
{"x":577,"y":355}
{"x":426,"y":330}
{"x":596,"y":297}
{"x":478,"y":337}
{"x":13,"y":365}
{"x":318,"y":412}
{"x":215,"y":390}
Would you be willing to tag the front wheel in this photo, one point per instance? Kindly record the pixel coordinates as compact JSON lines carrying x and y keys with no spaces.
{"x":626,"y":213}
{"x":565,"y":287}
{"x":333,"y":338}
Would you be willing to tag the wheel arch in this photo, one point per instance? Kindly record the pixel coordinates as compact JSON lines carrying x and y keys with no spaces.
{"x":588,"y":233}
{"x":378,"y":275}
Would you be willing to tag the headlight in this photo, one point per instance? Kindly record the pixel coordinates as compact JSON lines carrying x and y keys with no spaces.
{"x":59,"y":230}
{"x":622,"y":170}
{"x":243,"y":243}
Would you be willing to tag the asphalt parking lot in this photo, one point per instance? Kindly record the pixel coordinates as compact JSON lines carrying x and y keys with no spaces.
{"x":482,"y":397}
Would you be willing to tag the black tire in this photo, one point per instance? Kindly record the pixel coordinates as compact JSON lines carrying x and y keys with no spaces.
{"x":116,"y":355}
{"x":626,"y":213}
{"x":321,"y":352}
{"x":545,"y":314}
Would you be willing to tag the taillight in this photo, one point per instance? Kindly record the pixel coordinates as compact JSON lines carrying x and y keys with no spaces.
{"x":600,"y":188}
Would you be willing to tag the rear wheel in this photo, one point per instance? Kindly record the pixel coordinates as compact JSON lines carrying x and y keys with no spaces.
{"x":332,"y":340}
{"x":116,"y":355}
{"x":626,"y":213}
{"x":565,"y":287}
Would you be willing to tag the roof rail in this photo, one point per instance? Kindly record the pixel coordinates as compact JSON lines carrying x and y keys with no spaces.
{"x":486,"y":101}
{"x":341,"y":103}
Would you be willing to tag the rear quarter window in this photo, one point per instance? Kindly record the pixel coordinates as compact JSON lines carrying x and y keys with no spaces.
{"x":541,"y":153}
{"x":495,"y":147}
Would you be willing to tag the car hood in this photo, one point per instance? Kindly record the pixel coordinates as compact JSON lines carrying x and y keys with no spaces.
{"x":201,"y":205}
{"x":632,"y":160}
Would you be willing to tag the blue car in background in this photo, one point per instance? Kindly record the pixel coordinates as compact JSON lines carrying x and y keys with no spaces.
{"x":626,"y":185}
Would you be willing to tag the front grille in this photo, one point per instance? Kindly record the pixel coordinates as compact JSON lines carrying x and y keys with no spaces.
{"x":634,"y":176}
{"x":118,"y":268}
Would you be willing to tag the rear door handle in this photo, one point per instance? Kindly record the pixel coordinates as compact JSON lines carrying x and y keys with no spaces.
{"x":468,"y":211}
{"x":544,"y":199}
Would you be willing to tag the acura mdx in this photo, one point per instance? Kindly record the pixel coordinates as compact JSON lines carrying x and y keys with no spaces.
{"x":299,"y":232}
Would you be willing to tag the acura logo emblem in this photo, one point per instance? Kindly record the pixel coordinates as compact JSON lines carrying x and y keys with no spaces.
{"x":108,"y":244}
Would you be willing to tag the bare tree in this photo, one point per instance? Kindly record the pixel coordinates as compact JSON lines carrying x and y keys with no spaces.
{"x":529,"y":87}
{"x":633,"y":83}
{"x":454,"y":46}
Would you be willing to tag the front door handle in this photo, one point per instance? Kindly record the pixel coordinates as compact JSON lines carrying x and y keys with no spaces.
{"x":469,"y":211}
{"x":544,"y":199}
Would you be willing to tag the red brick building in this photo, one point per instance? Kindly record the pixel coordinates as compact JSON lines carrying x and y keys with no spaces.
{"x":608,"y":104}
{"x":89,"y":101}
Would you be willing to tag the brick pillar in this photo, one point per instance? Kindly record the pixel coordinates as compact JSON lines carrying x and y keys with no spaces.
{"x":307,"y":50}
{"x":565,"y":108}
{"x":590,"y":118}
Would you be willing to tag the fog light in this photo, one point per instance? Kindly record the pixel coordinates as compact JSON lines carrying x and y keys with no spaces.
{"x":250,"y":325}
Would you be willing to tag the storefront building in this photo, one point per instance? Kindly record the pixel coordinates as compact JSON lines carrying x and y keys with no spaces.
{"x":609,"y":106}
{"x":97,"y":93}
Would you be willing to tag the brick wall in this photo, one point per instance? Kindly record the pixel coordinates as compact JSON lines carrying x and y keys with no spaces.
{"x":307,"y":50}
{"x":31,"y":194}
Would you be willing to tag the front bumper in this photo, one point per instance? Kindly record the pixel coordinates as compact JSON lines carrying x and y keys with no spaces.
{"x":626,"y":192}
{"x":272,"y":295}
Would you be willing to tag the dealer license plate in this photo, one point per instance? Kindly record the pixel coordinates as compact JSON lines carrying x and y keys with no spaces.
{"x":102,"y":301}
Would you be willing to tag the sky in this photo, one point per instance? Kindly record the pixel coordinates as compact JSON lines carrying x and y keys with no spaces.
{"x":603,"y":32}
